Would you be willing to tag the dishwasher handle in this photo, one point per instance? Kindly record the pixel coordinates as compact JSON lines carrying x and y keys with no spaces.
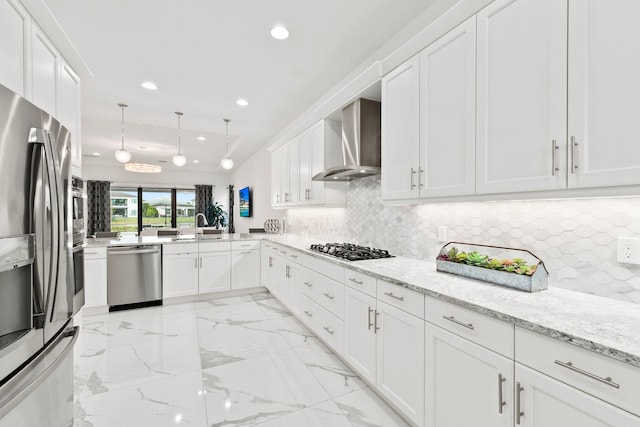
{"x":132,"y":251}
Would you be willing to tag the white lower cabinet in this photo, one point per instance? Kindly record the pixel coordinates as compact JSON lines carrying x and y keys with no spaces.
{"x":542,"y":401}
{"x":95,"y":277}
{"x":385,"y":345}
{"x":466,"y":384}
{"x":179,"y":274}
{"x":214,"y":273}
{"x":245,"y":269}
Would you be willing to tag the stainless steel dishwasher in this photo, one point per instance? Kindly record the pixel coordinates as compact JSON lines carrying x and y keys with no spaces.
{"x":134,"y":276}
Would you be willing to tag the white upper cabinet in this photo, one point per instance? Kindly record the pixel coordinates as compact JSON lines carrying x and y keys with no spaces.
{"x":604,"y":89}
{"x":447,"y":114}
{"x":45,"y":62}
{"x":521,"y":96}
{"x":401,"y":131}
{"x":69,"y":109}
{"x":14,"y":34}
{"x":276,"y":177}
{"x":290,"y":168}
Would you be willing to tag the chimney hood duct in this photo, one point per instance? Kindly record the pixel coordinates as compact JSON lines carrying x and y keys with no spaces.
{"x":360,"y":143}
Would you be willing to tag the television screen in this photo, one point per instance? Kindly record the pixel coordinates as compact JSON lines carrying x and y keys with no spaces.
{"x":245,"y":202}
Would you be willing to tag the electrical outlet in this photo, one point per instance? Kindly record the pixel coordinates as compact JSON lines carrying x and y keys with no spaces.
{"x":442,"y":234}
{"x":629,"y":250}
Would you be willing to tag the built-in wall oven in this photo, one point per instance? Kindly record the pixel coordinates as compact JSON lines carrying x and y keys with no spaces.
{"x":78,"y":218}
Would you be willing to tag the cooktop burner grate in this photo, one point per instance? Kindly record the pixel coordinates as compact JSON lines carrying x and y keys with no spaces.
{"x":350,"y":251}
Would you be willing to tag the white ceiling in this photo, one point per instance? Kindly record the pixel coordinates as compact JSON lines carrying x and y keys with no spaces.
{"x":204,"y":55}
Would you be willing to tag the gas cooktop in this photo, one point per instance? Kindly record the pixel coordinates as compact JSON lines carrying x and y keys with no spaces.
{"x":350,"y":251}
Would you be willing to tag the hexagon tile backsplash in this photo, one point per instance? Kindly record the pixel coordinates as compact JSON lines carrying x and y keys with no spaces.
{"x":576,"y":239}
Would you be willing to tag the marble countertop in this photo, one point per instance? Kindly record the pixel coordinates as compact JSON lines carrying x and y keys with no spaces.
{"x":153,"y":240}
{"x":602,"y":325}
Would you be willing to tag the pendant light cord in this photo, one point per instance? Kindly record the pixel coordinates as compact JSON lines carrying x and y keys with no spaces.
{"x":226,"y":134}
{"x":122,"y":106}
{"x":179,"y":144}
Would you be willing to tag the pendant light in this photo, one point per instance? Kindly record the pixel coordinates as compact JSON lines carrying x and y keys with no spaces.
{"x":226,"y":162}
{"x":179,"y":159}
{"x":122,"y":155}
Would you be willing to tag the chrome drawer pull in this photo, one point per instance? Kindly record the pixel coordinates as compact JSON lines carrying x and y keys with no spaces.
{"x":308,"y":313}
{"x":355,"y":281}
{"x":457,"y":322}
{"x":375,"y":321}
{"x":308,"y":284}
{"x":328,"y":329}
{"x":294,"y":256}
{"x":501,"y":402}
{"x":328,"y":295}
{"x":390,"y":294}
{"x":570,"y":366}
{"x":369,"y":318}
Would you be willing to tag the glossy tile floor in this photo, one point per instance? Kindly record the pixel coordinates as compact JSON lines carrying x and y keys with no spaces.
{"x":239,"y":361}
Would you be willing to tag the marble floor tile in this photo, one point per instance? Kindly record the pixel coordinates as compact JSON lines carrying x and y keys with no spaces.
{"x":364,"y":408}
{"x":167,"y":402}
{"x":293,"y":331}
{"x":252,"y":391}
{"x":221,"y":316}
{"x":332,"y":374}
{"x":325,"y":414}
{"x":272,"y":309}
{"x":235,"y":343}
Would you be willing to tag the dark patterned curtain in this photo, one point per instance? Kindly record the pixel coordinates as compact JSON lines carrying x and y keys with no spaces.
{"x":204,"y":197}
{"x":98,"y":206}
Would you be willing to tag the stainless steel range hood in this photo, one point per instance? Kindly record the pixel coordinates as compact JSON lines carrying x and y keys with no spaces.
{"x":360,"y":143}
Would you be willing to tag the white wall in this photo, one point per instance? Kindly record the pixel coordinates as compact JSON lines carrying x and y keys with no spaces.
{"x":256,"y":174}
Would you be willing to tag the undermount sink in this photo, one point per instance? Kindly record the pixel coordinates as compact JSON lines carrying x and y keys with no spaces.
{"x":211,"y":231}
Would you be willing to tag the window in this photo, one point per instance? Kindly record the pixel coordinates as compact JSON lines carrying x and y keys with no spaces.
{"x":156,"y":208}
{"x":185,"y":208}
{"x":124,"y":219}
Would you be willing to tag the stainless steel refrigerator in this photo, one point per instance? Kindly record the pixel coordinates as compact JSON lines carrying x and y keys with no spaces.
{"x":37,"y":279}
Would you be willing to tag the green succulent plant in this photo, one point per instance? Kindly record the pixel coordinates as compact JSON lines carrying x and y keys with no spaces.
{"x":452,"y":253}
{"x":477,"y":259}
{"x":461,"y":257}
{"x":494,"y":264}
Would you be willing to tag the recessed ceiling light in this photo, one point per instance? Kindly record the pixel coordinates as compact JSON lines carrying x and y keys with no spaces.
{"x":196,"y":161}
{"x":149,"y":85}
{"x":95,"y":154}
{"x":242,"y":102}
{"x":201,"y":138}
{"x":279,"y":32}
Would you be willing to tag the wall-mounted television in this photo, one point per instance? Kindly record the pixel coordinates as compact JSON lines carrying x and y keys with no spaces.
{"x":245,"y":202}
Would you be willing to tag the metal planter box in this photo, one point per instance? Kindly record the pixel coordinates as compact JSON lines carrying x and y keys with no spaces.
{"x":533,"y":283}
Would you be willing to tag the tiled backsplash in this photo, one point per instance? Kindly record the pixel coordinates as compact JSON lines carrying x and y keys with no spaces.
{"x":576,"y":239}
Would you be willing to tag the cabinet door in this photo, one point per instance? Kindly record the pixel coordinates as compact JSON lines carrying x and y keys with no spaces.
{"x":215,"y":272}
{"x":400,"y":131}
{"x":604,"y":90}
{"x":179,"y":275}
{"x":464,"y":386}
{"x":400,"y":352}
{"x":14,"y":33}
{"x":95,"y":286}
{"x":276,"y":274}
{"x":545,"y":402}
{"x":69,"y":109}
{"x":290,"y":170}
{"x":322,"y":147}
{"x":276,"y":177}
{"x":45,"y":72}
{"x":359,"y":334}
{"x":304,"y":166}
{"x":521,"y":96}
{"x":447,"y":114}
{"x":265,"y":255}
{"x":245,"y":269}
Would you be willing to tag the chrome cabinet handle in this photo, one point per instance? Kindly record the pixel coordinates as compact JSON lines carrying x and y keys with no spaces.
{"x":308,"y":313}
{"x":390,"y":294}
{"x":288,"y":272}
{"x":294,"y":256}
{"x":574,"y":159}
{"x":413,"y":172}
{"x":328,"y":329}
{"x":309,"y":194}
{"x":270,"y":262}
{"x":554,"y":157}
{"x":421,"y":177}
{"x":277,"y":198}
{"x":328,"y":295}
{"x":457,"y":322}
{"x":308,"y":284}
{"x":369,"y":318}
{"x":501,"y":402}
{"x":355,"y":281}
{"x":519,"y":413}
{"x":375,"y":321}
{"x":608,"y":381}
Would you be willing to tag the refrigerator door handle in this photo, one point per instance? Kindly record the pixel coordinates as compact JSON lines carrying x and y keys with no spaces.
{"x":38,"y":370}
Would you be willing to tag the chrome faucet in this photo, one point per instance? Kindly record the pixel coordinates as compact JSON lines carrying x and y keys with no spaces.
{"x":204,"y":218}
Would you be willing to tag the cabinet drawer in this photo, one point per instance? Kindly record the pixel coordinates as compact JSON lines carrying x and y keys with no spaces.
{"x":610,"y":380}
{"x":327,"y":326}
{"x":245,"y":244}
{"x":214,"y":246}
{"x":401,"y":297}
{"x":180,"y":248}
{"x":328,"y":293}
{"x":95,"y":253}
{"x":326,"y":268}
{"x":360,"y":281}
{"x":486,"y":331}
